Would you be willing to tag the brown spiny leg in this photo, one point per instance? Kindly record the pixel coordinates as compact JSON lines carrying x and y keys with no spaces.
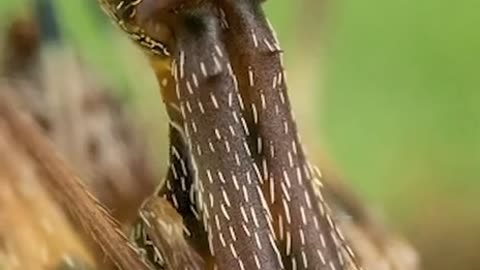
{"x":134,"y":18}
{"x":165,"y":227}
{"x":229,"y":194}
{"x":177,"y":188}
{"x":308,"y":236}
{"x":146,"y":22}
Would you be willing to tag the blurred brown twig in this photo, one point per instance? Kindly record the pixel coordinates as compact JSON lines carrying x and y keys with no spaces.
{"x":68,"y":189}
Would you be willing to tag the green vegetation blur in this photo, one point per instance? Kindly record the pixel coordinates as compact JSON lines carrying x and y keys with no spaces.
{"x":396,"y":106}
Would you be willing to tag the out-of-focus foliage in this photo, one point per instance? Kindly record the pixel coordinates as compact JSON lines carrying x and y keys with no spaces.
{"x":402,"y":117}
{"x":399,"y":111}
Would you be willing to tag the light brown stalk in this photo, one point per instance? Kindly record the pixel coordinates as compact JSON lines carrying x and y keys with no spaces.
{"x":67,"y":188}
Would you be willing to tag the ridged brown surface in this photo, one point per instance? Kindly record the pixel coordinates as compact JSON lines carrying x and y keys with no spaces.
{"x":34,"y":231}
{"x":86,"y":123}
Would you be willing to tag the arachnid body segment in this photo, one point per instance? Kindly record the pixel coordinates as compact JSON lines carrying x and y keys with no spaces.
{"x":308,"y":234}
{"x":238,"y":173}
{"x":231,"y":236}
{"x":131,"y":16}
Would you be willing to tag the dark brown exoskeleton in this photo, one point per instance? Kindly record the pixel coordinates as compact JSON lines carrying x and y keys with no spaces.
{"x":238,"y":175}
{"x":232,"y":205}
{"x":306,"y":232}
{"x":177,"y":191}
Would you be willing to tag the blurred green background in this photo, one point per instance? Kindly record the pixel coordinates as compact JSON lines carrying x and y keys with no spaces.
{"x":388,"y":90}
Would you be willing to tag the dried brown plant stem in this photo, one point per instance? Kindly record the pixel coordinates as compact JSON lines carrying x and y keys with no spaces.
{"x":67,"y":188}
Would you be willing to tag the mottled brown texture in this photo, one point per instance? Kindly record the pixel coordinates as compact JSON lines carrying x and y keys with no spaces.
{"x":259,"y":199}
{"x":304,"y":228}
{"x":90,"y":126}
{"x":227,"y":177}
{"x":67,"y":188}
{"x":165,"y":227}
